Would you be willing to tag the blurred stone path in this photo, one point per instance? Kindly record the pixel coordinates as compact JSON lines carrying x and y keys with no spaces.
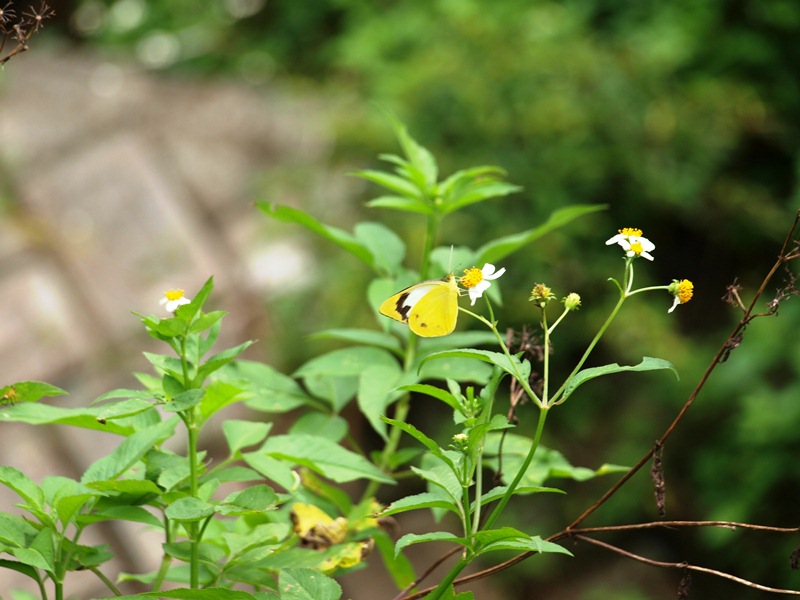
{"x":115,"y":185}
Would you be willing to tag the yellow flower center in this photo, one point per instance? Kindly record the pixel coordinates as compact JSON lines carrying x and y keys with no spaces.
{"x":471,"y":278}
{"x":631,"y":231}
{"x":636,"y":248}
{"x":685,"y":291}
{"x":173,"y":295}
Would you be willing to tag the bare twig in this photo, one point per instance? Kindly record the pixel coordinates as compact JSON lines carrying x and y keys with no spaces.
{"x":686,"y":567}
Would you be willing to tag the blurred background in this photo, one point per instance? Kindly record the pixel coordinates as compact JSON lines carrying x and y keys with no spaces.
{"x":135,"y":136}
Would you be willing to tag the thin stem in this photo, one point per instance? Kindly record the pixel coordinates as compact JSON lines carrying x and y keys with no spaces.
{"x":545,"y":358}
{"x":589,"y":348}
{"x":109,"y":584}
{"x":522,"y":470}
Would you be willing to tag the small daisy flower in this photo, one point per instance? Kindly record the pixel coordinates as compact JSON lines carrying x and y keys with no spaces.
{"x":477,"y":280}
{"x":633,"y":243}
{"x":173,"y":299}
{"x":683,"y":291}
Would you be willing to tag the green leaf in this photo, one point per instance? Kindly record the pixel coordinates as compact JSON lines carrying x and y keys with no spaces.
{"x":429,"y":443}
{"x":513,"y":366}
{"x":346,"y":362}
{"x":307,"y":584}
{"x":420,"y":158}
{"x":498,"y":249}
{"x":184,"y":401}
{"x":433,"y":536}
{"x":187,"y":312}
{"x":478,"y":191}
{"x":22,"y":568}
{"x":44,"y":414}
{"x":125,"y":408}
{"x":273,"y":469}
{"x":219,"y":394}
{"x":399,"y":567}
{"x":386,"y":247}
{"x":331,"y":427}
{"x":324,"y":457}
{"x":268,"y":389}
{"x":401,"y":203}
{"x":27,"y":391}
{"x":546,"y":463}
{"x":417,"y":501}
{"x":375,"y":393}
{"x":441,"y":479}
{"x":435,"y":392}
{"x":129,"y":452}
{"x":498,"y":492}
{"x":219,"y":360}
{"x":240,"y":434}
{"x":134,"y":514}
{"x":15,"y":531}
{"x":189,"y":509}
{"x":187,"y":594}
{"x":407,"y":191}
{"x":256,"y":498}
{"x":24,"y":486}
{"x":367,"y":337}
{"x":339,"y":237}
{"x":648,"y":364}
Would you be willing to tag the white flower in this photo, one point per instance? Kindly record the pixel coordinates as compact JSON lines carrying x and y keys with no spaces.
{"x":477,"y":280}
{"x":633,"y":243}
{"x":173,"y":299}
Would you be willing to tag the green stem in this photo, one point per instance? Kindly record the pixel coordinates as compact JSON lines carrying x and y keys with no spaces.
{"x":194,"y":539}
{"x":546,"y":358}
{"x":522,"y":470}
{"x":166,"y":559}
{"x":441,"y":589}
{"x":622,"y":297}
{"x":523,"y":381}
{"x":109,"y":584}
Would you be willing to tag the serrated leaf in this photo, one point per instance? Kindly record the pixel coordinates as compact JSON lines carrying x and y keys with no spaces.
{"x":184,"y":401}
{"x":307,"y":584}
{"x":187,"y":594}
{"x":24,"y":486}
{"x":418,"y":501}
{"x":132,"y":449}
{"x":375,"y":393}
{"x":433,"y":536}
{"x":268,"y":389}
{"x":337,"y":236}
{"x":240,"y":434}
{"x":513,"y":366}
{"x":27,"y":391}
{"x":401,"y":203}
{"x":189,"y":509}
{"x":498,"y":249}
{"x":648,"y":364}
{"x":387,"y":248}
{"x":363,"y":336}
{"x":435,"y":392}
{"x":394,"y":183}
{"x":324,"y":457}
{"x":44,"y":414}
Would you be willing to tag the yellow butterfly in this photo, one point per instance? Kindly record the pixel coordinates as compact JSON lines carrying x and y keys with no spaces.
{"x":430,"y":308}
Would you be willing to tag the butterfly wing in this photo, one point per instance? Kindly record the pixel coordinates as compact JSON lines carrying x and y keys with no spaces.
{"x":429,"y":308}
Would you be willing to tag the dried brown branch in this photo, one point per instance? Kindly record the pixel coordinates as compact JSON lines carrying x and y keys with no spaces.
{"x":20,"y":29}
{"x":686,"y":567}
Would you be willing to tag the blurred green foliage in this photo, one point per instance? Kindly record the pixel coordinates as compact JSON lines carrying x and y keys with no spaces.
{"x":683,"y":116}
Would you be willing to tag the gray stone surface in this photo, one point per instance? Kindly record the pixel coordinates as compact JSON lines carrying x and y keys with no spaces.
{"x":115,"y":185}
